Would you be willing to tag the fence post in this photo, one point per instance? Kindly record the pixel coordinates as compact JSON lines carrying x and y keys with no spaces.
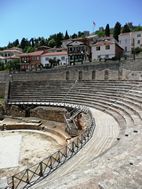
{"x":13,"y":182}
{"x":50,"y":162}
{"x":66,"y":151}
{"x":28,"y":182}
{"x":41,"y":169}
{"x":72,"y":147}
{"x":59,"y":157}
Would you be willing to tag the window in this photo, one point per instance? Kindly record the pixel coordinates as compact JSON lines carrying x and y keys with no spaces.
{"x":70,"y":49}
{"x":106,"y":75}
{"x":71,"y":57}
{"x":93,"y":74}
{"x":67,"y":75}
{"x":107,"y":47}
{"x":138,"y":35}
{"x":62,"y":58}
{"x":47,"y":59}
{"x":98,"y":48}
{"x":125,"y":49}
{"x":138,"y":41}
{"x":99,"y":57}
{"x":80,"y":75}
{"x":106,"y":56}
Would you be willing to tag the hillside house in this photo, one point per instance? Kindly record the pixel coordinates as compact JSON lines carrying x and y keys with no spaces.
{"x":106,"y":49}
{"x":60,"y":57}
{"x":130,"y":40}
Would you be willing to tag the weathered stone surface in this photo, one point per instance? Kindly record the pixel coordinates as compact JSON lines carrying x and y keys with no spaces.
{"x":16,"y":111}
{"x":1,"y":112}
{"x":49,"y":113}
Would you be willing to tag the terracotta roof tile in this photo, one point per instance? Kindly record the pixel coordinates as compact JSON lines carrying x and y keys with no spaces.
{"x":101,"y":43}
{"x":55,"y":53}
{"x":36,"y":53}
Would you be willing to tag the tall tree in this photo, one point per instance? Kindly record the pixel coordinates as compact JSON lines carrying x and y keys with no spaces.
{"x":16,"y":43}
{"x":126,"y":29}
{"x":74,"y":36}
{"x":59,"y":38}
{"x":117,"y":30}
{"x":80,"y":34}
{"x":24,"y":43}
{"x":107,"y":30}
{"x":32,"y":42}
{"x":66,"y":35}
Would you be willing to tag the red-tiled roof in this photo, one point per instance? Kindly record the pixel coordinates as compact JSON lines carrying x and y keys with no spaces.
{"x":55,"y":53}
{"x":101,"y":43}
{"x":12,"y":50}
{"x":8,"y":57}
{"x":36,"y":53}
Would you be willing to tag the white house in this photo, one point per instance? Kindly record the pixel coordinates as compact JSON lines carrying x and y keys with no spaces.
{"x":9,"y":55}
{"x":62,"y":57}
{"x":106,"y":50}
{"x":130,"y":40}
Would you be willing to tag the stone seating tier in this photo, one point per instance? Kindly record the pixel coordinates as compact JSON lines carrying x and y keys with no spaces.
{"x":120,"y":99}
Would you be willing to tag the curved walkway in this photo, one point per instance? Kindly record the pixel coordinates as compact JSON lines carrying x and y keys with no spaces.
{"x":105,"y":135}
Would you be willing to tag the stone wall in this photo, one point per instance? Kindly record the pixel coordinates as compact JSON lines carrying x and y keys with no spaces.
{"x":110,"y":70}
{"x":49,"y":113}
{"x":3,"y":79}
{"x":15,"y":111}
{"x":2,"y":89}
{"x":77,"y":72}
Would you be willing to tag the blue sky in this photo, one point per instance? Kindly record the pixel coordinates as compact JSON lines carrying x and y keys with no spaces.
{"x":34,"y":18}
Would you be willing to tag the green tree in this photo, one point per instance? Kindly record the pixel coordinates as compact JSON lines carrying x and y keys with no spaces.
{"x":66,"y":35}
{"x":107,"y":30}
{"x":126,"y":29}
{"x":74,"y":36}
{"x":80,"y":34}
{"x":52,"y":43}
{"x":16,"y":43}
{"x":117,"y":30}
{"x":138,"y":28}
{"x":32,"y":42}
{"x":59,"y":39}
{"x":100,"y":33}
{"x":24,"y":43}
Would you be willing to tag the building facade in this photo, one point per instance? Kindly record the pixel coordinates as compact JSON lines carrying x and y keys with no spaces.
{"x":10,"y":55}
{"x":60,"y":57}
{"x":31,"y":61}
{"x":106,"y":50}
{"x":78,"y":52}
{"x":130,"y":41}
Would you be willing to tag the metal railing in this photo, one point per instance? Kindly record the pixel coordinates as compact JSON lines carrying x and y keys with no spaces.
{"x":39,"y":171}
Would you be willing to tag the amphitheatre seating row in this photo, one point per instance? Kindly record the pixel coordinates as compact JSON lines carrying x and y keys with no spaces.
{"x":121,"y":97}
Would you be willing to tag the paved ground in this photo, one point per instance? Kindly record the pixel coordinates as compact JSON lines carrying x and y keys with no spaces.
{"x":9,"y":150}
{"x":20,"y":149}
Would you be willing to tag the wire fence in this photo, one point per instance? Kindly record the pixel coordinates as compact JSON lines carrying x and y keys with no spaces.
{"x":39,"y":171}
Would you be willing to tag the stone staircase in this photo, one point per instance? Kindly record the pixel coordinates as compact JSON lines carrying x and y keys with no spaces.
{"x":113,"y":103}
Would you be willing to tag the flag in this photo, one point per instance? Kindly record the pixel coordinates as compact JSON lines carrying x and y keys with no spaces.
{"x":94,"y":23}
